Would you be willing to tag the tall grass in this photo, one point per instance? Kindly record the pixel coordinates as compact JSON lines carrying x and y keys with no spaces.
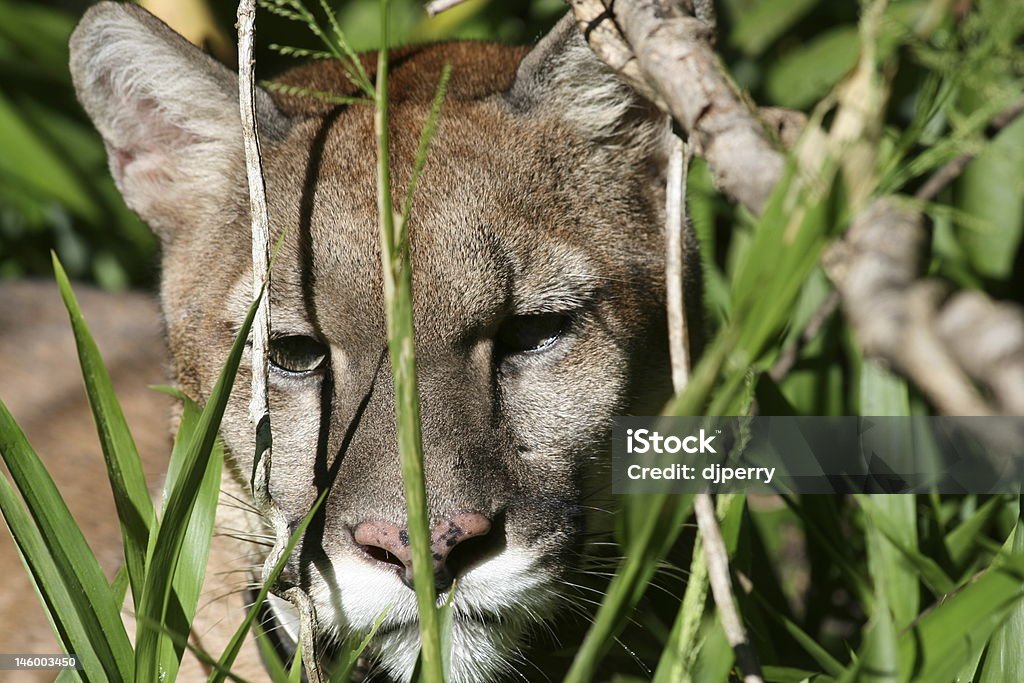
{"x":927,"y":588}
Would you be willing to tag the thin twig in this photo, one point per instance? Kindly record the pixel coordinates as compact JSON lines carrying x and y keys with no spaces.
{"x":674,"y":216}
{"x":721,"y":588}
{"x":952,"y":170}
{"x":787,"y":359}
{"x":437,"y":6}
{"x":704,"y":507}
{"x":259,"y":404}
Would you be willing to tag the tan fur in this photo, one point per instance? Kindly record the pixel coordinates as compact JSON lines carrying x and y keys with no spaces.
{"x":542,"y":199}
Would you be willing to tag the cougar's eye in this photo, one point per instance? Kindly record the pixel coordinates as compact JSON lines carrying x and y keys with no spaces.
{"x":297,"y":354}
{"x":531,"y":333}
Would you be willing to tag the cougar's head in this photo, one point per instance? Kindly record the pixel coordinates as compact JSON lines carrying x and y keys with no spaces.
{"x":537,"y":259}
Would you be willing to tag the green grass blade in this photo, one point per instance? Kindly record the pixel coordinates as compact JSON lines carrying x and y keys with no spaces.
{"x":294,"y":674}
{"x":271,"y":659}
{"x":124,"y":468}
{"x":426,"y":135}
{"x":945,"y":639}
{"x":662,"y":522}
{"x":71,"y":629}
{"x":826,"y":661}
{"x":888,"y":517}
{"x":892,"y":573}
{"x":879,"y":660}
{"x":77,"y":565}
{"x":962,"y":539}
{"x":398,"y":301}
{"x":79,"y":571}
{"x":191,"y":568}
{"x":1004,"y":660}
{"x":173,"y":529}
{"x":679,"y":654}
{"x":235,"y":644}
{"x":351,"y":654}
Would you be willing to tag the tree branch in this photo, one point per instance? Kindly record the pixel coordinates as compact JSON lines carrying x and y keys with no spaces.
{"x":945,"y":347}
{"x":664,"y":51}
{"x":952,"y":170}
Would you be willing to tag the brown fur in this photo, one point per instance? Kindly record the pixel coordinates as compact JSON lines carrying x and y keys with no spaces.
{"x":542,"y":195}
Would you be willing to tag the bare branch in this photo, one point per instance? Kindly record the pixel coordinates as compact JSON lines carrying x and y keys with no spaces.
{"x":704,"y":508}
{"x":945,"y":347}
{"x":663,"y":49}
{"x":952,"y":170}
{"x":259,"y":405}
{"x":665,"y":52}
{"x":675,"y":211}
{"x":721,"y":588}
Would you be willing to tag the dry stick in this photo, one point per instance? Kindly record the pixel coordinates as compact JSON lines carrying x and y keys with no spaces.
{"x":665,"y":53}
{"x":704,"y":508}
{"x":935,"y":184}
{"x":948,"y":173}
{"x":787,"y":359}
{"x":675,"y":209}
{"x":259,"y":405}
{"x":721,"y":588}
{"x":437,"y":6}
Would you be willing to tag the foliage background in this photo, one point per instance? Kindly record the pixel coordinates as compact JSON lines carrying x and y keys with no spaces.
{"x":55,"y":192}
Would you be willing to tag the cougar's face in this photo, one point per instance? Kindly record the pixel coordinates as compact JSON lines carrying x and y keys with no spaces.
{"x":536,"y":259}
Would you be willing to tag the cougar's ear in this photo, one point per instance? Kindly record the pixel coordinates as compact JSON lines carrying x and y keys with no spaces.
{"x":168,"y":114}
{"x":562,"y":77}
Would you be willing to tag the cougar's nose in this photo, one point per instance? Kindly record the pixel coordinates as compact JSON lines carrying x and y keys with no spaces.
{"x":386,"y":543}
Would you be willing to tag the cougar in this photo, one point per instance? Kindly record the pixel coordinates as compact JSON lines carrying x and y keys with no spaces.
{"x":537,"y":255}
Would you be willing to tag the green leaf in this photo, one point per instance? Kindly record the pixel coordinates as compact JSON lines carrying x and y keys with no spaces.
{"x":124,"y":468}
{"x":947,"y":637}
{"x":961,"y":540}
{"x":271,"y":659}
{"x":882,"y":392}
{"x":30,"y":163}
{"x":999,"y":204}
{"x":1004,"y":659}
{"x":295,"y":671}
{"x":79,"y":572}
{"x":715,"y":656}
{"x":191,"y":568}
{"x":826,"y":661}
{"x":181,"y":499}
{"x":235,"y":644}
{"x":662,"y":520}
{"x":70,"y":625}
{"x":890,"y":520}
{"x":760,"y":26}
{"x":806,"y":73}
{"x":350,"y":654}
{"x":879,"y":660}
{"x":893,"y":574}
